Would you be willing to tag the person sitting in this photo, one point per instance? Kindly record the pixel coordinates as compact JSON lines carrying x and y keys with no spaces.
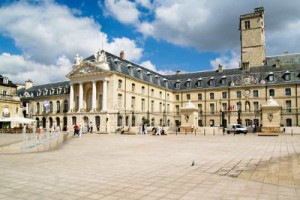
{"x":158,"y":131}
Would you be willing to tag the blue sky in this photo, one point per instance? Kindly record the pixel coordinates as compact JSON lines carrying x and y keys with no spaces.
{"x":39,"y":39}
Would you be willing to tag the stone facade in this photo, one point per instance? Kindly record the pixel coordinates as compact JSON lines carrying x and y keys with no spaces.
{"x":10,"y":103}
{"x":106,"y":91}
{"x":253,"y":38}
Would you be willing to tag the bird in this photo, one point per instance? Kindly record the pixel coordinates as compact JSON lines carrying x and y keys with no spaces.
{"x":193,"y":163}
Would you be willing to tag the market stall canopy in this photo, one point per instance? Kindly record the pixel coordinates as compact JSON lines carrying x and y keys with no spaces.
{"x":18,"y":119}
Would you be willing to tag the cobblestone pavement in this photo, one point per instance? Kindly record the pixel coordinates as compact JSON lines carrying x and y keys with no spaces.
{"x":157,"y":167}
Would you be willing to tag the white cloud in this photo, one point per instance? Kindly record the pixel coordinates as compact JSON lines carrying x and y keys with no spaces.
{"x":49,"y":35}
{"x":147,"y":64}
{"x":124,"y":11}
{"x":18,"y":68}
{"x":213,"y":26}
{"x":132,"y":52}
{"x":228,"y":61}
{"x":145,"y":3}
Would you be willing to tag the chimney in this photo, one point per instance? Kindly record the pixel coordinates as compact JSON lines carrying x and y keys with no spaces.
{"x":28,"y":84}
{"x":122,"y":55}
{"x":220,"y":68}
{"x":178,"y":72}
{"x":286,"y":52}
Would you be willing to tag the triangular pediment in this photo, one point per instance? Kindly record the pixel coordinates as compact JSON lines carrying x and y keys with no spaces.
{"x":88,"y":68}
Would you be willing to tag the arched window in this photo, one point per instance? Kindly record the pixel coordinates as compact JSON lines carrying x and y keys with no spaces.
{"x":288,"y":122}
{"x":51,"y":106}
{"x":133,"y":120}
{"x":120,"y":119}
{"x":37,"y":108}
{"x":50,"y":122}
{"x":74,"y":120}
{"x":57,"y":122}
{"x":126,"y":121}
{"x":58,"y":106}
{"x":37,"y":122}
{"x":44,"y":122}
{"x":66,"y":106}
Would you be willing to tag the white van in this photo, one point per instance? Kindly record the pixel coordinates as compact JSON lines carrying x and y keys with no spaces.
{"x":236,"y":128}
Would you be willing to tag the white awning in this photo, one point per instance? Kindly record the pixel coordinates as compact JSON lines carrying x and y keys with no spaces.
{"x":17,"y":119}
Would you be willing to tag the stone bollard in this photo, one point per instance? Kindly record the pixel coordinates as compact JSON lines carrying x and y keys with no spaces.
{"x":204,"y":132}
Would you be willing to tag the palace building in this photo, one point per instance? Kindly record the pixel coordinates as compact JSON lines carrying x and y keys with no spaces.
{"x":10,"y":103}
{"x":107,"y":91}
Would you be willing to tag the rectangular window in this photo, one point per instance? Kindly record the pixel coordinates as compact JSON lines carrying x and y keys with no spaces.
{"x":160,"y":94}
{"x":200,"y":109}
{"x":4,"y":92}
{"x":160,"y":107}
{"x":152,"y":106}
{"x":120,"y":101}
{"x":199,"y":96}
{"x":211,"y":95}
{"x":272,"y":93}
{"x":255,"y":106}
{"x":224,"y":106}
{"x":247,"y":24}
{"x":224,"y":95}
{"x":133,"y":87}
{"x":288,"y":92}
{"x":271,"y":77}
{"x":255,"y":93}
{"x":212,"y":108}
{"x":143,"y":90}
{"x":188,"y":97}
{"x":168,"y":108}
{"x":168,"y":97}
{"x":120,"y":84}
{"x":143,"y":105}
{"x":177,"y":97}
{"x":152,"y":92}
{"x":288,"y":106}
{"x":177,"y":109}
{"x":238,"y":94}
{"x":132,"y":103}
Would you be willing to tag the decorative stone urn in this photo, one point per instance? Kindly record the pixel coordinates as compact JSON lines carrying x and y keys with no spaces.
{"x":189,"y":117}
{"x":271,"y":117}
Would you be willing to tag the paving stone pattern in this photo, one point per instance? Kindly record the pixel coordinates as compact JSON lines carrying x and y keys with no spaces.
{"x":157,"y":167}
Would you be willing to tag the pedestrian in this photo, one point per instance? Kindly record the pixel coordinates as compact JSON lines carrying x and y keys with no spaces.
{"x":76,"y":129}
{"x":91,"y":128}
{"x":143,"y":129}
{"x":80,"y":131}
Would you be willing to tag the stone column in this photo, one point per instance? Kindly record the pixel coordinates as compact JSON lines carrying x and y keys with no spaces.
{"x":104,"y":96}
{"x":94,"y":95}
{"x":71,"y":98}
{"x":80,"y":97}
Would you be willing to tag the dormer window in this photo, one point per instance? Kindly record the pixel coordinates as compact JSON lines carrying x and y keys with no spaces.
{"x":270,"y":77}
{"x":287,"y":76}
{"x":199,"y":82}
{"x":246,"y":66}
{"x":139,"y":70}
{"x":149,"y":75}
{"x":130,"y":69}
{"x":158,"y":79}
{"x":39,"y":92}
{"x":177,"y":84}
{"x":211,"y":81}
{"x":45,"y":91}
{"x":188,"y":83}
{"x":223,"y":80}
{"x":5,"y":80}
{"x":117,"y":61}
{"x":166,"y":82}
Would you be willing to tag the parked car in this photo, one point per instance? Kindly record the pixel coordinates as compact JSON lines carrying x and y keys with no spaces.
{"x":236,"y":128}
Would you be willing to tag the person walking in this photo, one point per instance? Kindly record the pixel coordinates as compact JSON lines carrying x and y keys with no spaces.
{"x":76,"y":128}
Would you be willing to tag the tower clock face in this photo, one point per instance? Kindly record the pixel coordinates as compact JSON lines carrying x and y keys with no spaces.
{"x":247,"y":93}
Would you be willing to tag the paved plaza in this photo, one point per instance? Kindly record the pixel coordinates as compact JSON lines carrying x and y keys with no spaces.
{"x":157,"y":167}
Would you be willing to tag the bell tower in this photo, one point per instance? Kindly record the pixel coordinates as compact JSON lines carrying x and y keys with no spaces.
{"x":252,"y":36}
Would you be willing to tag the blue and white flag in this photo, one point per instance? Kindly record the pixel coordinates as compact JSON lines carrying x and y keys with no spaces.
{"x":47,"y":106}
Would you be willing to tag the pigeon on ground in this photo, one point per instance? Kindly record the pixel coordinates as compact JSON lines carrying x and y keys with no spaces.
{"x":193,"y":163}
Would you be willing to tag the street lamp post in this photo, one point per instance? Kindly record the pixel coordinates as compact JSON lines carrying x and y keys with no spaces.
{"x":239,"y":121}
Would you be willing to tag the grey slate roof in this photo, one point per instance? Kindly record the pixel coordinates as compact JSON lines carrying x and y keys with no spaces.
{"x":58,"y":88}
{"x":233,"y":76}
{"x":9,"y":83}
